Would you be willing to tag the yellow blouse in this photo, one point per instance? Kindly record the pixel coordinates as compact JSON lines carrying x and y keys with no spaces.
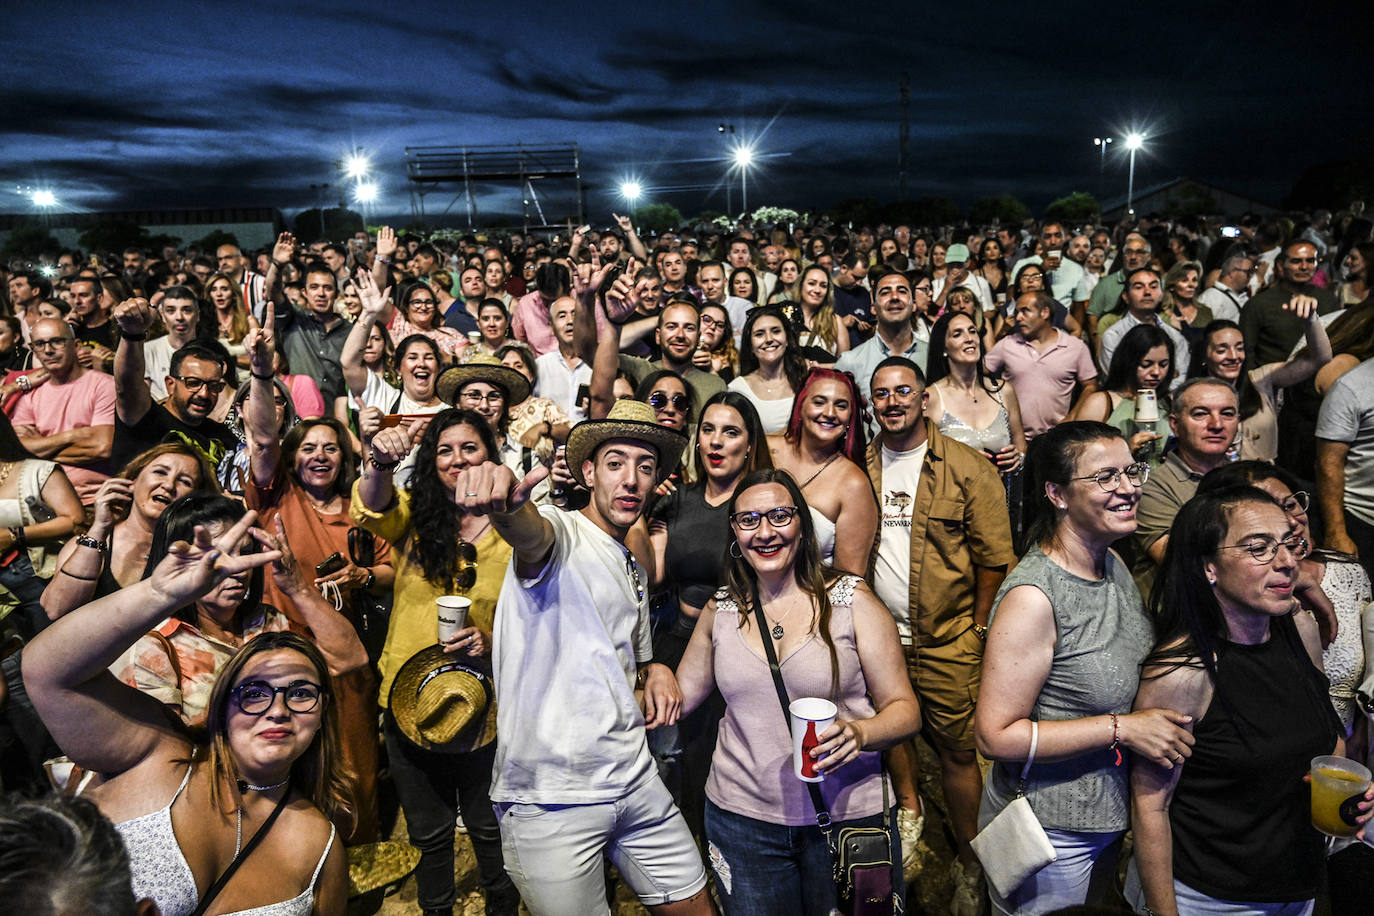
{"x":414,"y":624}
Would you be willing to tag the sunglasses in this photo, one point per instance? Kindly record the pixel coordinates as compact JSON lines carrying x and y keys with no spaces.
{"x":660,"y":399}
{"x":467,"y":571}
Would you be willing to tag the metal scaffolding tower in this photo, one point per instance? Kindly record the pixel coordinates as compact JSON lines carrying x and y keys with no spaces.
{"x":459,"y":169}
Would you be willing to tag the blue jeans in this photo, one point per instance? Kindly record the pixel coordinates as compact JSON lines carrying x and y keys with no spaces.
{"x":24,"y":741}
{"x":765,"y":869}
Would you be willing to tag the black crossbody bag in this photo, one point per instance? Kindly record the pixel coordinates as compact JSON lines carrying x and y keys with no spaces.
{"x":862,"y":856}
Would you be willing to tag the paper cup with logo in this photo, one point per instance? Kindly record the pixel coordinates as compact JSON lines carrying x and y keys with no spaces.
{"x":1146,"y":406}
{"x":810,"y":717}
{"x":453,"y":614}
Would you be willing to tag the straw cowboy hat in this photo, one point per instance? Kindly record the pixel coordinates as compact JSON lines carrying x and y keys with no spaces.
{"x":482,"y":368}
{"x":373,"y":866}
{"x":445,"y":702}
{"x":627,"y":420}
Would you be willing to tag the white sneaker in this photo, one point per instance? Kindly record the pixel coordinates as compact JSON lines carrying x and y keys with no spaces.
{"x":969,"y":898}
{"x":910,"y":827}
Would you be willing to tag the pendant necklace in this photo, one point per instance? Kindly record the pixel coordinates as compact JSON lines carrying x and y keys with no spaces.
{"x":777,"y":624}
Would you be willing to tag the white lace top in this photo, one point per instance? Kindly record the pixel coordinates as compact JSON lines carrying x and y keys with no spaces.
{"x":1347,"y":585}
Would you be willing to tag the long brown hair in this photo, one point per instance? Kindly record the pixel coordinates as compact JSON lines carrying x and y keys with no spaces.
{"x":319,"y":774}
{"x":810,"y":574}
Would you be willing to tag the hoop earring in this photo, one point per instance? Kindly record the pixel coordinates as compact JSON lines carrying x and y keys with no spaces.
{"x":735,"y":550}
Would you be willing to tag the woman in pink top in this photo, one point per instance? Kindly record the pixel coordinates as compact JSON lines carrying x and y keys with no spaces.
{"x":834,"y":639}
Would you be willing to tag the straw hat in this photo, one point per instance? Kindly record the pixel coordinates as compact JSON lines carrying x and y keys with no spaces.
{"x":375,"y":865}
{"x":445,"y":703}
{"x":482,"y":368}
{"x":627,"y":420}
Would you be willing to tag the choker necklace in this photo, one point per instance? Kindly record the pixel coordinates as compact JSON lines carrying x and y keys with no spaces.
{"x":245,"y":785}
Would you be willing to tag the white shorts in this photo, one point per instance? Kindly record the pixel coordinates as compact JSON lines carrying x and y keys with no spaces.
{"x":553,"y":853}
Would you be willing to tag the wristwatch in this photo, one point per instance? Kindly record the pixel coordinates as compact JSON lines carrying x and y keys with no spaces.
{"x":980,"y":631}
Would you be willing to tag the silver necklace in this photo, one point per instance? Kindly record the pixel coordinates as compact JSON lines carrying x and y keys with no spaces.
{"x":777,"y":630}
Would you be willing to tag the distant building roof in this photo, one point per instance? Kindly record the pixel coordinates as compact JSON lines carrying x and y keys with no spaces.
{"x":1189,"y":195}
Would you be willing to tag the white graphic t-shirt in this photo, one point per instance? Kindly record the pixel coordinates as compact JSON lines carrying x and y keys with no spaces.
{"x":892,"y":573}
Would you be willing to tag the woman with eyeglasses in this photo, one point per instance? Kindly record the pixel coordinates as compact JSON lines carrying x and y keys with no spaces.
{"x":417,"y":312}
{"x":771,"y":368}
{"x":1228,"y":827}
{"x":716,"y":352}
{"x":823,"y":449}
{"x":834,"y":640}
{"x":1222,"y":355}
{"x":266,"y":774}
{"x":1064,"y":644}
{"x":1143,"y":361}
{"x":438,"y":549}
{"x":686,"y":529}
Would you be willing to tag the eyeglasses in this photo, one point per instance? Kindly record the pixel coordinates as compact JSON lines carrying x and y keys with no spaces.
{"x":708,"y":320}
{"x":659,"y":400}
{"x":1264,"y":548}
{"x":1297,"y":503}
{"x":193,"y":384}
{"x":254,"y":697}
{"x":49,"y":343}
{"x":929,"y":291}
{"x":476,"y":397}
{"x":779,"y":517}
{"x":1136,"y":250}
{"x":901,"y":391}
{"x":422,"y":304}
{"x":1108,"y":478}
{"x":467,"y":569}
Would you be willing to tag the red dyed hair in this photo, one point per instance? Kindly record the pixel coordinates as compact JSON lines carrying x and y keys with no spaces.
{"x":855,"y":439}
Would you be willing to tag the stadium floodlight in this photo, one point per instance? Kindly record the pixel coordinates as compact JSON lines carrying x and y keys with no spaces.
{"x":365,"y":193}
{"x":44,"y":198}
{"x":630,"y":190}
{"x":357,"y":166}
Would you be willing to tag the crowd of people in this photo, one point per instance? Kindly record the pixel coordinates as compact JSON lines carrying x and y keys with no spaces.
{"x":1087,"y":510}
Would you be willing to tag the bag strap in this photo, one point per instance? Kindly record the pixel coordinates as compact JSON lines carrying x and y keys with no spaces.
{"x":1030,"y":758}
{"x":822,"y":814}
{"x":247,"y":850}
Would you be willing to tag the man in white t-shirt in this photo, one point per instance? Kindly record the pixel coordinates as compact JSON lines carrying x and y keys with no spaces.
{"x":573,"y":776}
{"x":180,"y":316}
{"x":944,"y":546}
{"x":561,"y":372}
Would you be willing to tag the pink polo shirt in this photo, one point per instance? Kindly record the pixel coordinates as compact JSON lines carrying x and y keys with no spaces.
{"x":529,"y":321}
{"x":88,"y":400}
{"x":1043,"y":382}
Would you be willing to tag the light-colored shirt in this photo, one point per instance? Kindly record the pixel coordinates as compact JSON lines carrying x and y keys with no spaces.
{"x":559,"y":381}
{"x":1182,"y":355}
{"x":1347,"y":415}
{"x":1223,"y":301}
{"x":51,"y":408}
{"x":1064,"y":280}
{"x":1043,"y":382}
{"x":892,"y":567}
{"x":568,"y":642}
{"x":863,"y":359}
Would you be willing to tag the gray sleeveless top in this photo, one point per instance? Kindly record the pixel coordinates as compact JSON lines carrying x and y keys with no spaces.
{"x":1102,"y":637}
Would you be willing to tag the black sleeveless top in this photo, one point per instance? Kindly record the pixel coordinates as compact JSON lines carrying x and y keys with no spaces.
{"x":1241,"y":813}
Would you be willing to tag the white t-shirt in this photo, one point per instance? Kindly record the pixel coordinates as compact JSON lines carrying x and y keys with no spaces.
{"x":157,"y":362}
{"x":892,"y":571}
{"x":567,"y":645}
{"x":772,"y":414}
{"x":559,"y":383}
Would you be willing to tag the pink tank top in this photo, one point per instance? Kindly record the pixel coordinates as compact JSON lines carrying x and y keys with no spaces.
{"x":751,"y":771}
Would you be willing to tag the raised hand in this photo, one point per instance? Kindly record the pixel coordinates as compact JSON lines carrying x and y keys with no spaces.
{"x":391,"y":446}
{"x":284,"y":249}
{"x":286,"y":571}
{"x":623,"y":222}
{"x":112,"y":502}
{"x":386,"y":242}
{"x":261,"y":344}
{"x":369,"y":424}
{"x":191,"y":570}
{"x":134,"y":317}
{"x":490,"y":487}
{"x":1305,"y":307}
{"x":373,"y":300}
{"x":623,"y":296}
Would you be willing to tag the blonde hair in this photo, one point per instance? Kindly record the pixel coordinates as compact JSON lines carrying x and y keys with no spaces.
{"x":238,"y":323}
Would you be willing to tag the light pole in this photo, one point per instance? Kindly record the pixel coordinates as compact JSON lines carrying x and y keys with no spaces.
{"x":744,"y":156}
{"x":1133,"y":143}
{"x":1101,"y":143}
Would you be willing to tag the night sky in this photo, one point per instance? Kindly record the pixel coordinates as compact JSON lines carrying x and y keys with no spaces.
{"x":188,"y":104}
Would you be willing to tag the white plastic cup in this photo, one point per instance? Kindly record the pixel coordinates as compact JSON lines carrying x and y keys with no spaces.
{"x":810,"y":717}
{"x":1146,"y":406}
{"x":453,"y":614}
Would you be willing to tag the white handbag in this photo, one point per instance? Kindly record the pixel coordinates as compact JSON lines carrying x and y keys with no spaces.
{"x":1013,"y":846}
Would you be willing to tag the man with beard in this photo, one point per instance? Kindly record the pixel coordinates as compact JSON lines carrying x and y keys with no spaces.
{"x":677,"y":331}
{"x":943,"y":549}
{"x":313,"y":336}
{"x":70,"y":417}
{"x":573,"y":778}
{"x":195,"y":378}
